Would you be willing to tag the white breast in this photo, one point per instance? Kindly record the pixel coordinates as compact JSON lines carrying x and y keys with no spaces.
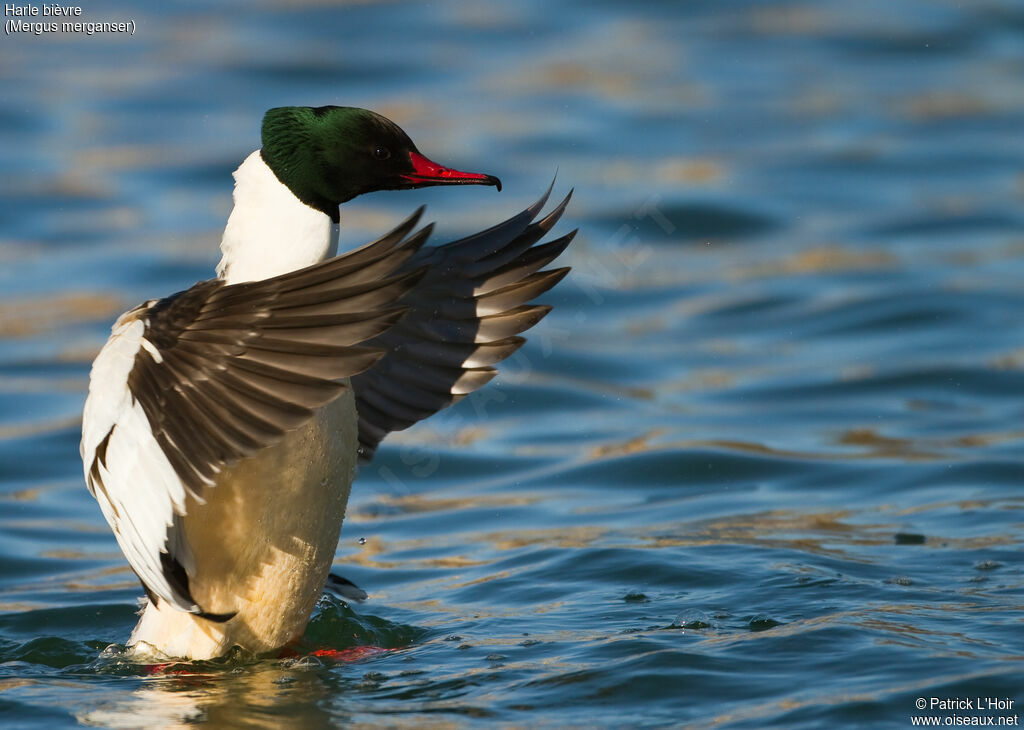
{"x":270,"y":231}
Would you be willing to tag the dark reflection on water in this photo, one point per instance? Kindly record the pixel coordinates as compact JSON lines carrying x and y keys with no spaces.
{"x":760,"y":467}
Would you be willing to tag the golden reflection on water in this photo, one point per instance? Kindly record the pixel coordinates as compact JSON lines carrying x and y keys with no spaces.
{"x":831,"y":533}
{"x":885,"y":447}
{"x":671,"y":170}
{"x":859,"y":444}
{"x":832,"y":258}
{"x":640,"y":444}
{"x":43,"y":315}
{"x":23,"y":430}
{"x":8,"y":683}
{"x":420,"y":503}
{"x":945,"y":104}
{"x":369,"y":552}
{"x":22,"y":495}
{"x":261,"y":695}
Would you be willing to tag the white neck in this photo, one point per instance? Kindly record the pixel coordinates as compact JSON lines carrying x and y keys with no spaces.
{"x":271,"y":232}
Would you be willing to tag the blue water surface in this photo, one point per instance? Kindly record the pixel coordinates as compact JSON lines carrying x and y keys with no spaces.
{"x":761,"y":467}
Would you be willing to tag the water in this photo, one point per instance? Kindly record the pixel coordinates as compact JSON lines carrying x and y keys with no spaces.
{"x":761,"y":466}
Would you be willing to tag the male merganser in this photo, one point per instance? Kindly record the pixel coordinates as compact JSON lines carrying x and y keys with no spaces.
{"x":223,"y":423}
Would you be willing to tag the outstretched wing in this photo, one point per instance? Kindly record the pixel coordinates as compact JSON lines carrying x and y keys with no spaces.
{"x":193,"y":383}
{"x":464,"y":316}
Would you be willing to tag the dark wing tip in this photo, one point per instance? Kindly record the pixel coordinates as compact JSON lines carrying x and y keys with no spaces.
{"x":400,"y":231}
{"x":536,"y":207}
{"x":346,"y":588}
{"x":463,"y":318}
{"x":217,"y":618}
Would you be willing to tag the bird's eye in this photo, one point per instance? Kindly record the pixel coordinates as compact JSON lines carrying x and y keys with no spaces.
{"x":382,"y":153}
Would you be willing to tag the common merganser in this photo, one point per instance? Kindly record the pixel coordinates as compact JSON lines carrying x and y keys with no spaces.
{"x":223,"y":423}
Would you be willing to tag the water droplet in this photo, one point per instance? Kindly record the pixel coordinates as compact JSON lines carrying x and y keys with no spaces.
{"x":362,"y":541}
{"x":307,"y":662}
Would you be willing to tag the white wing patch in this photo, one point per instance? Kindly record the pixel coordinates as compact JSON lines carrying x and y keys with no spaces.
{"x":108,"y":383}
{"x":211,"y":375}
{"x":125,"y":469}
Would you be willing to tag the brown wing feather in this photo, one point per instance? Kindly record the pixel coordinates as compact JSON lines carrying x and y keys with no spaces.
{"x":232,"y":368}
